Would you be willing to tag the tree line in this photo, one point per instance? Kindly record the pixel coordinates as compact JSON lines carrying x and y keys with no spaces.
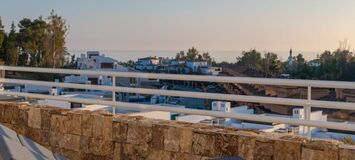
{"x":37,"y":43}
{"x":254,"y":62}
{"x":193,"y":54}
{"x":329,"y":65}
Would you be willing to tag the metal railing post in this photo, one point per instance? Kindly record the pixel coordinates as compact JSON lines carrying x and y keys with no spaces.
{"x":113,"y":94}
{"x":2,"y":75}
{"x":307,"y":110}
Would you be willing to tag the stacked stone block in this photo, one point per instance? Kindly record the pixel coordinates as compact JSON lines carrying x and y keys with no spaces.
{"x":79,"y":134}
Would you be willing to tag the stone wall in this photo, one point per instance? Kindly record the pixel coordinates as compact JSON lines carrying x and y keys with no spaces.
{"x":100,"y":135}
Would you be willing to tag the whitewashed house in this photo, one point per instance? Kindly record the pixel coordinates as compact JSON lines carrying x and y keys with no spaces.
{"x":176,"y":66}
{"x":148,"y":64}
{"x":221,"y":106}
{"x":210,"y":70}
{"x":94,"y":61}
{"x":177,"y":62}
{"x":194,"y":66}
{"x":314,"y":63}
{"x":315,"y":115}
{"x":103,"y":63}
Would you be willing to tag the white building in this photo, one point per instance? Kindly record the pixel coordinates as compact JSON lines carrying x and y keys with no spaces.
{"x":148,"y":63}
{"x":195,"y":66}
{"x":221,"y":106}
{"x":177,"y":62}
{"x":315,"y":116}
{"x":36,"y":89}
{"x":272,"y":127}
{"x":200,"y":67}
{"x":240,"y":109}
{"x":314,"y":63}
{"x":94,"y":61}
{"x":93,"y":107}
{"x":211,"y":70}
{"x":71,"y":105}
{"x":262,"y":126}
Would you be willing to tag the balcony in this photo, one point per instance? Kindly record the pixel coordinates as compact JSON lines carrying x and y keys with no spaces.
{"x":78,"y":134}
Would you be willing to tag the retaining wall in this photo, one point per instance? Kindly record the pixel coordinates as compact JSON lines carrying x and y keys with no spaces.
{"x":100,"y":135}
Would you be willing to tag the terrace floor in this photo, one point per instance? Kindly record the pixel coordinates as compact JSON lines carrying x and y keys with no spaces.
{"x":15,"y":146}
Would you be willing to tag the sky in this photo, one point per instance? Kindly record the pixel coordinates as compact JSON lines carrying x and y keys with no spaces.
{"x":213,"y":25}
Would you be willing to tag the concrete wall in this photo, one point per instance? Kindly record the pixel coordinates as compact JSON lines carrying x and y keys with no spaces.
{"x":99,"y":135}
{"x":289,"y":91}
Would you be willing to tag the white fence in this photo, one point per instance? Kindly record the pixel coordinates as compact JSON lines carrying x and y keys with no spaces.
{"x":306,"y":103}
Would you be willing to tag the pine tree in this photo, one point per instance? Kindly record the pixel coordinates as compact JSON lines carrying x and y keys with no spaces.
{"x":2,"y":37}
{"x":2,"y":33}
{"x":55,"y":46}
{"x":10,"y":49}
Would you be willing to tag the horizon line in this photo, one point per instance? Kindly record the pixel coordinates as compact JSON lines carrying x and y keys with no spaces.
{"x":176,"y":50}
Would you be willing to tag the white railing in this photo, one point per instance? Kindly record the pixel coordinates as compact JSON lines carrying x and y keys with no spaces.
{"x":306,"y":103}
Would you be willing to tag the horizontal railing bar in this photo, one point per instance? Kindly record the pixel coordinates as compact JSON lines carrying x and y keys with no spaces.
{"x":202,"y":78}
{"x":258,"y":118}
{"x":201,"y":95}
{"x":189,"y":94}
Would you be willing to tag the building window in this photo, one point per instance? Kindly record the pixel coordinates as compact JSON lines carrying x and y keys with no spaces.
{"x":75,"y":105}
{"x":107,"y":65}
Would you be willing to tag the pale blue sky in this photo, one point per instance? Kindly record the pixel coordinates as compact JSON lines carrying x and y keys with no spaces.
{"x":268,"y":25}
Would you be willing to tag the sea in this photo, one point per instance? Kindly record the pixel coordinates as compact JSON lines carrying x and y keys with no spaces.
{"x":218,"y":56}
